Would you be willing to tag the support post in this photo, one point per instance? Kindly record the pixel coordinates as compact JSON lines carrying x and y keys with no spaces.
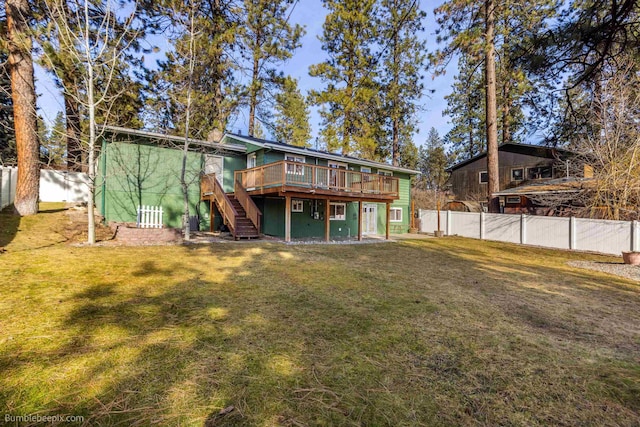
{"x":523,"y":229}
{"x":327,"y":224}
{"x":448,"y":226}
{"x":359,"y":219}
{"x":413,"y":216}
{"x":212,"y":215}
{"x":635,"y":236}
{"x":482,"y":225}
{"x":287,"y":218}
{"x":388,"y":221}
{"x":572,"y":233}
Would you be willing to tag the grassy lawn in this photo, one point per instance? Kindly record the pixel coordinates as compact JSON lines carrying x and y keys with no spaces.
{"x":434,"y":332}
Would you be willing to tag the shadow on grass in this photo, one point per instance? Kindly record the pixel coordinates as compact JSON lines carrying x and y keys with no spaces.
{"x":9,"y":225}
{"x":279,"y":335}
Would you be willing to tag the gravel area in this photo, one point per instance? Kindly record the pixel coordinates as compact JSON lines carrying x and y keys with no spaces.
{"x":618,"y":269}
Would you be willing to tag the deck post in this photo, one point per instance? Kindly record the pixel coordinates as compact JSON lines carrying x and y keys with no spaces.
{"x":287,"y":218}
{"x":388,"y":220}
{"x":212,"y":215}
{"x":327,"y":223}
{"x":359,"y":219}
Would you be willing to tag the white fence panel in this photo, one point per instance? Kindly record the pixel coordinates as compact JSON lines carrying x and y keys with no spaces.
{"x":149,"y":217}
{"x":8,"y":179}
{"x":466,"y":224}
{"x":501,"y":227}
{"x":63,"y":186}
{"x":551,"y":232}
{"x":599,"y":235}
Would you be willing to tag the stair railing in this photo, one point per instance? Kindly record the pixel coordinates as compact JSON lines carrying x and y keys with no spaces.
{"x":223,"y":202}
{"x":247,"y":203}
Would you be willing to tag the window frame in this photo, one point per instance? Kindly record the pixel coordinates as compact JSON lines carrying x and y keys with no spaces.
{"x":294,"y":169}
{"x":333,"y":217}
{"x":384,"y":172}
{"x":396,"y":209}
{"x":539,"y":168}
{"x":365,"y":167}
{"x":297,"y":205}
{"x":480,"y":177}
{"x":513,"y":179}
{"x":511,"y":202}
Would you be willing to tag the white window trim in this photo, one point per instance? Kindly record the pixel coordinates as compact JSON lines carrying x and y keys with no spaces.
{"x":336,"y":165}
{"x":384,"y":172}
{"x":506,"y":200}
{"x":523,"y":172}
{"x":297,"y":205}
{"x":391,"y":216}
{"x":340,"y":218}
{"x":362,"y":169}
{"x":480,"y":177}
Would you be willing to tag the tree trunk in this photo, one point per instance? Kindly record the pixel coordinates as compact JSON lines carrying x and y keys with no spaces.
{"x":24,"y":107}
{"x":506,"y":113}
{"x":253,"y":96}
{"x":493,"y":186}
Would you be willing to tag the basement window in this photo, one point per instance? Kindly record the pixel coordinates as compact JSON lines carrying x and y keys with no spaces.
{"x":395,"y":215}
{"x":513,"y":200}
{"x":338,"y":211}
{"x":297,"y":205}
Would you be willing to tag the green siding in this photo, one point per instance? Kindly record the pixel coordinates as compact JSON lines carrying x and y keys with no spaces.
{"x":138,"y":173}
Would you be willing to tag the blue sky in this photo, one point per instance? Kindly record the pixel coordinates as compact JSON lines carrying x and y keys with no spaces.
{"x":311,"y":14}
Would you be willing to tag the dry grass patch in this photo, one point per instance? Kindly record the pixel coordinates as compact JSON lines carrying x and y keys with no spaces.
{"x":441,"y":331}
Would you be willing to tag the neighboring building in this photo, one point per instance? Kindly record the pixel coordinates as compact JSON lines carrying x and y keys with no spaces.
{"x":260,"y":186}
{"x":518,"y":164}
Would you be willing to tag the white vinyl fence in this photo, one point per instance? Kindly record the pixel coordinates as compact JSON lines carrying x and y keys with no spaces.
{"x":149,"y":217}
{"x":8,"y":179}
{"x":55,"y":186}
{"x":595,"y":235}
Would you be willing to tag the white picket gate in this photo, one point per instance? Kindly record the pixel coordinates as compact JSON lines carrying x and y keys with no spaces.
{"x":149,"y":217}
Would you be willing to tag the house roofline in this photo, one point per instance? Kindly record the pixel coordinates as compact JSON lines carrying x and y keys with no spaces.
{"x":501,"y":146}
{"x":181,"y":139}
{"x":310,"y":152}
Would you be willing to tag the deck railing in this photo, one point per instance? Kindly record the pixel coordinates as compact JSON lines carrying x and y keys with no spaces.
{"x":247,"y":203}
{"x":209,"y":186}
{"x":285,"y":173}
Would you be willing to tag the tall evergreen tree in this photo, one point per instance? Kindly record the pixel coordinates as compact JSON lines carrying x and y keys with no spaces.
{"x":350,"y":99}
{"x":291,"y":123}
{"x":403,"y":57}
{"x":8,"y":153}
{"x":23,"y":95}
{"x":268,"y":39}
{"x":433,"y":162}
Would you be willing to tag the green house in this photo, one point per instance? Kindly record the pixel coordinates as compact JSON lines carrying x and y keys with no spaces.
{"x":252,"y":186}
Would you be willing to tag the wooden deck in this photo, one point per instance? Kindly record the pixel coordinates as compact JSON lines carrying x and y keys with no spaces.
{"x":286,"y":178}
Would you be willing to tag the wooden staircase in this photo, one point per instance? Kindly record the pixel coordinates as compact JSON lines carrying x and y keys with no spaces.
{"x":244,"y":226}
{"x":232,"y":208}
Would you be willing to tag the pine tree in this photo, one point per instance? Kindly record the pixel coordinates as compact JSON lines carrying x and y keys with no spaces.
{"x":349,"y":102}
{"x":54,"y":143}
{"x":23,"y":95}
{"x":433,"y":162}
{"x":268,"y":40}
{"x":403,"y":58}
{"x":292,"y":115}
{"x":216,"y":93}
{"x":8,"y":155}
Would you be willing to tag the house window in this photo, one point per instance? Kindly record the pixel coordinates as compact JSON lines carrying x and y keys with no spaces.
{"x":517,"y":174}
{"x":539,"y":172}
{"x":385,"y":173}
{"x":297,"y":205}
{"x":337,"y":211}
{"x":395,"y":215}
{"x":513,"y":200}
{"x":294,"y":169}
{"x":365,"y":169}
{"x":483,"y":177}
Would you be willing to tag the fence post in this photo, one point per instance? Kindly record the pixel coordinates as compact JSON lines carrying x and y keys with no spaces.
{"x":482,"y":225}
{"x":523,"y":229}
{"x":572,"y":233}
{"x":448,"y":227}
{"x":635,"y":237}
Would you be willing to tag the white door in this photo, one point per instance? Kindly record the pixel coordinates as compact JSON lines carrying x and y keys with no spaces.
{"x":214,"y":164}
{"x":369,"y":219}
